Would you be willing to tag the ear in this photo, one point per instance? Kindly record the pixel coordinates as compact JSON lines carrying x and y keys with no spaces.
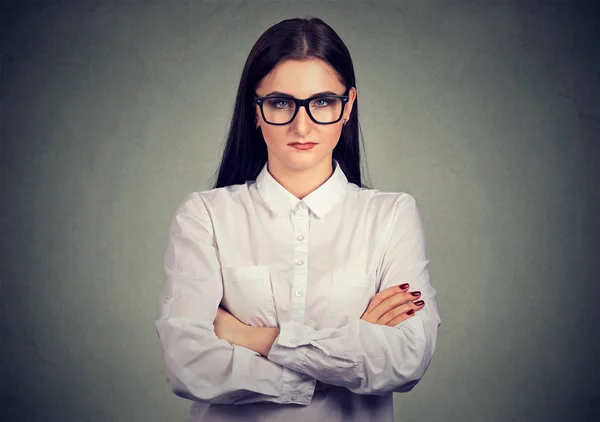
{"x":350,"y":104}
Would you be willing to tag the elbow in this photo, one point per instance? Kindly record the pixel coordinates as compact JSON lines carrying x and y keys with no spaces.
{"x":207,"y":369}
{"x":408,"y":382}
{"x":178,"y":386}
{"x":187,"y":374}
{"x":412,"y":369}
{"x":180,"y":390}
{"x":402,"y":368}
{"x":201,"y":391}
{"x":405,"y":388}
{"x":181,"y":386}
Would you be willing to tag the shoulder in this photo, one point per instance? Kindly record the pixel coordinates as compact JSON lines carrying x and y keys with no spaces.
{"x":209,"y":200}
{"x":379,"y":201}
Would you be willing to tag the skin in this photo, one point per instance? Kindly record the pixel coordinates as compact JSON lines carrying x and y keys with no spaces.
{"x":301,"y":172}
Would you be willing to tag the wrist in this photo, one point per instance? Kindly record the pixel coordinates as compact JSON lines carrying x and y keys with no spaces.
{"x":260,"y":339}
{"x":245,"y":336}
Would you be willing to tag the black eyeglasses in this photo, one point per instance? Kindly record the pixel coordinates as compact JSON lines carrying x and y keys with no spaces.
{"x":281,"y":109}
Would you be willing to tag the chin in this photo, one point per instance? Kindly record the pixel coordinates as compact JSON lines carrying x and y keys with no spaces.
{"x":304,"y":161}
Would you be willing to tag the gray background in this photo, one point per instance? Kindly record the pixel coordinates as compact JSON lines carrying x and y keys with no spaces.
{"x":487,"y":112}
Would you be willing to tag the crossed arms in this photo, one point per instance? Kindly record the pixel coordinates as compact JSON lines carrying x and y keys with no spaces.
{"x":363,"y":357}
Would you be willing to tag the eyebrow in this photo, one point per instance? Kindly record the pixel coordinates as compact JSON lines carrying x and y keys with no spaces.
{"x":288,"y":95}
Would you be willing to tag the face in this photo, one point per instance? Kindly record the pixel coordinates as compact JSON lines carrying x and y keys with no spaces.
{"x":302,"y":79}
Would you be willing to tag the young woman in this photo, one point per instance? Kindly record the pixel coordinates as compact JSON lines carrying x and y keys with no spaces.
{"x":293,"y":292}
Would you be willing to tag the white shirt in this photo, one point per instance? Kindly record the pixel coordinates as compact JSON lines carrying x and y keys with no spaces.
{"x":309,"y":267}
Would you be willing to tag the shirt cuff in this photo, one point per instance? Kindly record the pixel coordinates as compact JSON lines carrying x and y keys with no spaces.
{"x":285,"y":349}
{"x":295,"y":387}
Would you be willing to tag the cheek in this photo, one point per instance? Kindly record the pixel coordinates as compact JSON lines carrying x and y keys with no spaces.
{"x":274,"y":136}
{"x":331,"y":134}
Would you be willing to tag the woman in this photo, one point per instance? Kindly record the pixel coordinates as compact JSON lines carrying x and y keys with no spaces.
{"x":287,"y":290}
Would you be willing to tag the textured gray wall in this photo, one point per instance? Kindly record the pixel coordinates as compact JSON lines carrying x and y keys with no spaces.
{"x":488,"y":113}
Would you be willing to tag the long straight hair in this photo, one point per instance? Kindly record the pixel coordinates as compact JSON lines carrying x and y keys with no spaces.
{"x":245,"y":152}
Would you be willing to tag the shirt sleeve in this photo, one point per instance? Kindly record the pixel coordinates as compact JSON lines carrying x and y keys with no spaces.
{"x":198,"y":365}
{"x":368,"y":358}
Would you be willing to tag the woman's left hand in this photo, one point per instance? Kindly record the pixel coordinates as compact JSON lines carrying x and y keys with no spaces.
{"x":228,"y":327}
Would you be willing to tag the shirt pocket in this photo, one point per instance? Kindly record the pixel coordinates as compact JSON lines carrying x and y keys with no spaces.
{"x":247,"y":294}
{"x":351,"y":293}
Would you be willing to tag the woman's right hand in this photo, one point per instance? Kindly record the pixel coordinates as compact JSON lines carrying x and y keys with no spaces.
{"x":392,"y":306}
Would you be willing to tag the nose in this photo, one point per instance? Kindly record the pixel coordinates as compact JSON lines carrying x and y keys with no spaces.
{"x":301,"y":121}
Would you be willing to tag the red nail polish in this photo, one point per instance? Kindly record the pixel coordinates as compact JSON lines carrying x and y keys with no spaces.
{"x":419,"y":302}
{"x":412,"y":311}
{"x":415,"y":293}
{"x":404,"y":286}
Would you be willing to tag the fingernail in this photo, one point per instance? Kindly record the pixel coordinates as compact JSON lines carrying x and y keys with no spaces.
{"x":412,"y":311}
{"x":415,"y":293}
{"x":404,"y":286}
{"x":419,"y":302}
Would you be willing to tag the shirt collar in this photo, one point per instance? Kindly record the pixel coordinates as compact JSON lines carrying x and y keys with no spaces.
{"x":320,"y":201}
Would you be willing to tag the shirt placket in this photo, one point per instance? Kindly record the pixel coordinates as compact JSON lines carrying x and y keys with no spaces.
{"x":300,"y":221}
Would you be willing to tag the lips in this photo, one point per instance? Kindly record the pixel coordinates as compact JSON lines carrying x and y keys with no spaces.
{"x":303,"y":146}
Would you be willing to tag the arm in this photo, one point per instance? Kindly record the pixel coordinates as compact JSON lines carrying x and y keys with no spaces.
{"x":261,"y":340}
{"x":199,"y":365}
{"x":368,"y":358}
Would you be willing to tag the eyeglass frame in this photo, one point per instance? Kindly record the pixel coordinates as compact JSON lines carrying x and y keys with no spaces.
{"x":301,"y":103}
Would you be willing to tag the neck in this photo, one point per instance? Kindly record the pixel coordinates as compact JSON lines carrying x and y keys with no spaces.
{"x":300,"y":182}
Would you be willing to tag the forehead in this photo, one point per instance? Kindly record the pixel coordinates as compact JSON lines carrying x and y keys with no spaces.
{"x":301,"y":78}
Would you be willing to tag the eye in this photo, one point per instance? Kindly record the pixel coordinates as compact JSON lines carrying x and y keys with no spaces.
{"x":321,"y":102}
{"x":278,"y":103}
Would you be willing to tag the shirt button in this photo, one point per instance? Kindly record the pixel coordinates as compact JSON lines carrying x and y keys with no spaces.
{"x":301,"y":206}
{"x":300,"y":237}
{"x":298,"y":292}
{"x":294,"y":396}
{"x":298,"y":263}
{"x":166,"y":299}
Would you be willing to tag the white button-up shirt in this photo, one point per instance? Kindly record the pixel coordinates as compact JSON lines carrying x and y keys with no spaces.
{"x":309,"y":267}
